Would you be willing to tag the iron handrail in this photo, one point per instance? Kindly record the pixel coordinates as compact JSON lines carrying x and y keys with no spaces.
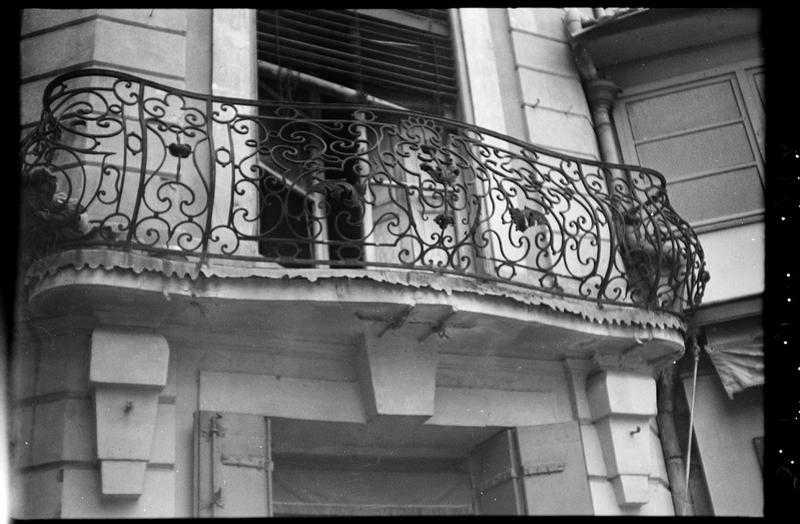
{"x":127,"y":163}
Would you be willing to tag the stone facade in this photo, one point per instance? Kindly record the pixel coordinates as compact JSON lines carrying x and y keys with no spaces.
{"x":113,"y":368}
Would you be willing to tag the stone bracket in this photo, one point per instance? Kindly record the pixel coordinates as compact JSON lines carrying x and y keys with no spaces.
{"x":128,"y":369}
{"x":397,"y":371}
{"x":621,"y":405}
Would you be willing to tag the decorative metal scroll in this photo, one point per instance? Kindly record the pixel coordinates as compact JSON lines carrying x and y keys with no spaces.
{"x":141,"y":166}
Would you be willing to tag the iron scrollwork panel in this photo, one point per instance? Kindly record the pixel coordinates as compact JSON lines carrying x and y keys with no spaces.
{"x":130,"y":164}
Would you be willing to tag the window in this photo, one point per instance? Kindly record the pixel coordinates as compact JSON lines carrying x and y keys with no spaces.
{"x":404,"y":56}
{"x":313,"y":209}
{"x":251,"y":466}
{"x":705,"y":135}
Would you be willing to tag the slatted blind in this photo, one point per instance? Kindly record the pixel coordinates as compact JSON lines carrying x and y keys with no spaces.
{"x":394,"y":54}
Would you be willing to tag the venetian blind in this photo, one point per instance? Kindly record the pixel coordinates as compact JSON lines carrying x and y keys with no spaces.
{"x":398,"y":55}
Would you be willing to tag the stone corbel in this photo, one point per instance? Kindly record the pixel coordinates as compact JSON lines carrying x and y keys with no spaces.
{"x":128,"y":370}
{"x":621,"y":405}
{"x":397,"y":363}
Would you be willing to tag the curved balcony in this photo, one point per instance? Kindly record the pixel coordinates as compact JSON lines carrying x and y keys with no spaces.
{"x":124,"y":164}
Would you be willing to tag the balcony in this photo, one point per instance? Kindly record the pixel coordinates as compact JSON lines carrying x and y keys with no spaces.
{"x":131,"y":169}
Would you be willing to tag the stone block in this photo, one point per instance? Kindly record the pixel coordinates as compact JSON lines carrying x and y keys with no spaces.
{"x":34,"y":20}
{"x":547,"y":21}
{"x":483,"y":75}
{"x":81,"y":497}
{"x":631,"y":490}
{"x":543,"y":53}
{"x":36,"y":494}
{"x":625,"y":441}
{"x":63,"y":430}
{"x":140,"y":47}
{"x":23,"y":364}
{"x":620,"y":392}
{"x":551,"y":129}
{"x":234,"y":53}
{"x":126,"y":420}
{"x":57,"y":49}
{"x":274,"y":396}
{"x":122,"y":478}
{"x":397,"y":376}
{"x":64,"y":363}
{"x":576,"y":372}
{"x":48,"y":436}
{"x":592,"y":451}
{"x":30,"y":100}
{"x":129,"y":357}
{"x":173,"y":19}
{"x":552,"y":91}
{"x":163,"y":447}
{"x":658,"y":469}
{"x":493,"y":407}
{"x":660,"y":501}
{"x":21,"y":441}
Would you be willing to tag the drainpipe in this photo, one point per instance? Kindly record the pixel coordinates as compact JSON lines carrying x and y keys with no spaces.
{"x":601,"y":95}
{"x":668,"y":434}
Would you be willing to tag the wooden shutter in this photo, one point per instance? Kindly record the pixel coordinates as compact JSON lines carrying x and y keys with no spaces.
{"x":700,"y":135}
{"x":532,"y":470}
{"x":554,"y":477}
{"x":234,"y":465}
{"x":494,"y":468}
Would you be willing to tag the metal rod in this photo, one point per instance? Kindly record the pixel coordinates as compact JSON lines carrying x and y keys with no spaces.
{"x":332,"y":87}
{"x":696,"y":353}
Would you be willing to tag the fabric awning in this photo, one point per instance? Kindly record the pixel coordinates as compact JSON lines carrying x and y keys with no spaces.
{"x":738,"y":357}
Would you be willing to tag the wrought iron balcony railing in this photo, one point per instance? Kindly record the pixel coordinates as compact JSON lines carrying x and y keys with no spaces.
{"x":128,"y":164}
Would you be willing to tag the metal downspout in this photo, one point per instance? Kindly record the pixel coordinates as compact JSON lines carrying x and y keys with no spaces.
{"x":668,"y":434}
{"x":601,"y":94}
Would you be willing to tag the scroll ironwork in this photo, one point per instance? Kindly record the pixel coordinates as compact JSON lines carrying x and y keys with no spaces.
{"x":129,"y":164}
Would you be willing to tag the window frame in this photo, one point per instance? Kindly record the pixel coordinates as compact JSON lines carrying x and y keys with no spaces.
{"x":740,"y":76}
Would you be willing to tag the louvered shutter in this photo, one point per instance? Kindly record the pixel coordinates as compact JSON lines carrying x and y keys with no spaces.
{"x":409,"y":63}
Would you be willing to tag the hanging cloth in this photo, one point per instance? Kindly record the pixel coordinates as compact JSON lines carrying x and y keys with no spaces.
{"x":738,"y":357}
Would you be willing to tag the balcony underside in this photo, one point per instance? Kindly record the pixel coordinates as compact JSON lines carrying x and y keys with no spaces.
{"x":334,"y":307}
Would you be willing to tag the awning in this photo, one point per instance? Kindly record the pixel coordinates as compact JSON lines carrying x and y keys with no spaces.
{"x":738,"y":356}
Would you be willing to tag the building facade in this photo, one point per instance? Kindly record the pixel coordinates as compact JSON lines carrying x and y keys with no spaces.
{"x":388,"y":262}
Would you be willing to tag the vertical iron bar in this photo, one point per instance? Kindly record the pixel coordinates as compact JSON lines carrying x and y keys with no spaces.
{"x":212,"y":176}
{"x":142,"y":170}
{"x":269,"y":466}
{"x":213,"y":434}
